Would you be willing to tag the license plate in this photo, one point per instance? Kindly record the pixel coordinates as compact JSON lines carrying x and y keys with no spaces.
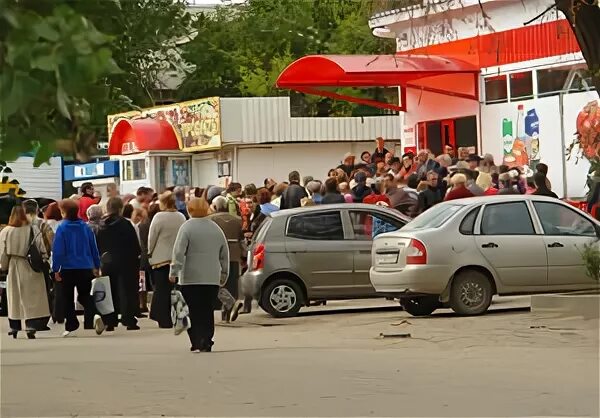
{"x":387,"y":258}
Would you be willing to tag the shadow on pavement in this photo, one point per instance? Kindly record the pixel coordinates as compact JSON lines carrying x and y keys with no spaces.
{"x":441,"y":313}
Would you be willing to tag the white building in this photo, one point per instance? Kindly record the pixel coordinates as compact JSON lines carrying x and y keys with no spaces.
{"x":250,"y":139}
{"x":464,"y":68}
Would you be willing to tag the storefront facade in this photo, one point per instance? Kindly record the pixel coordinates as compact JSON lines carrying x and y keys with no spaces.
{"x":528,"y":85}
{"x":537,"y":68}
{"x":257,"y":139}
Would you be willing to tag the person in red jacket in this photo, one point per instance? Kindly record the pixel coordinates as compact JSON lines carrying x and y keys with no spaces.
{"x":87,"y":199}
{"x":459,"y":188}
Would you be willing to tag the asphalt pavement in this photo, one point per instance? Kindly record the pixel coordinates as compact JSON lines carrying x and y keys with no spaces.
{"x":352,"y":358}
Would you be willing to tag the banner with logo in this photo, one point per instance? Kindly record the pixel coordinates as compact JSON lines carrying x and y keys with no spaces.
{"x":197,"y":123}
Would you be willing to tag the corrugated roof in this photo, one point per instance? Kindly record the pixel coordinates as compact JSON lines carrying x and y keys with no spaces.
{"x":261,"y":120}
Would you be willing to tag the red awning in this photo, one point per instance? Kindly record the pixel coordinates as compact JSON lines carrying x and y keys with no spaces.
{"x":427,"y":72}
{"x":139,"y":135}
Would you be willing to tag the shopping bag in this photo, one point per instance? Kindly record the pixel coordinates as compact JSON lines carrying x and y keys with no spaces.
{"x":102,"y":295}
{"x":180,"y":313}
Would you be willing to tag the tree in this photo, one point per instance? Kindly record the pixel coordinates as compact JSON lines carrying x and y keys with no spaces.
{"x":241,"y":50}
{"x":53,"y":61}
{"x":584,"y":18}
{"x":61,"y":75}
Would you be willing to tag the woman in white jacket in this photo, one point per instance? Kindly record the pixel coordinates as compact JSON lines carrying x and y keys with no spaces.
{"x":161,"y":239}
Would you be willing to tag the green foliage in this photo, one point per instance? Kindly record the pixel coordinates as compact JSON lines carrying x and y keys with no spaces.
{"x":591,"y":259}
{"x":241,"y":50}
{"x":61,"y":75}
{"x":51,"y":67}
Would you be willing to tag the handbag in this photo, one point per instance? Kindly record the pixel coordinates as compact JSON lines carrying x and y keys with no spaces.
{"x":102,"y":295}
{"x":34,"y":256}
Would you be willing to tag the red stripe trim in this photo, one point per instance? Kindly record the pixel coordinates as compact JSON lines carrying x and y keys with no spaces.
{"x":507,"y":47}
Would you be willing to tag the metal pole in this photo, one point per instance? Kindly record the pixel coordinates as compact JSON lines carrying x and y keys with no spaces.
{"x":563,"y":146}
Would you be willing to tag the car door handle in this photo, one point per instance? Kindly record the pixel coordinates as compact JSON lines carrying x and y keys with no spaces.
{"x":555,"y":245}
{"x":490,"y":245}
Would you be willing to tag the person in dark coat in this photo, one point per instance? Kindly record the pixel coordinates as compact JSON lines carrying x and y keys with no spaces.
{"x":432,"y":195}
{"x":541,"y":185}
{"x":293,"y":195}
{"x":332,"y":194}
{"x":361,"y":190}
{"x":120,"y":254}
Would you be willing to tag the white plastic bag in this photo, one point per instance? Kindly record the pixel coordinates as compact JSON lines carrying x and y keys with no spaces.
{"x":102,"y":295}
{"x":180,"y":313}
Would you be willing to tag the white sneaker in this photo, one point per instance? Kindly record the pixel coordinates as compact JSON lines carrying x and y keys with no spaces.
{"x":99,"y":325}
{"x":66,"y":334}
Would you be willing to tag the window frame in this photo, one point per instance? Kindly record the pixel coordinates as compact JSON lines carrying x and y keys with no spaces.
{"x":533,"y":78}
{"x":477,"y":211}
{"x":498,"y":77}
{"x":479,"y":222}
{"x":376,"y":213}
{"x":316,"y":214}
{"x":131,"y":162}
{"x":543,"y":232}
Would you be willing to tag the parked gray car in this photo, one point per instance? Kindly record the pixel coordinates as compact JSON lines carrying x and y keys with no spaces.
{"x":462,"y":252}
{"x":315,"y":253}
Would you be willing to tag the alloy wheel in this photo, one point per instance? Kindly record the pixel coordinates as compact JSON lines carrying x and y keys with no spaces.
{"x":283,"y":298}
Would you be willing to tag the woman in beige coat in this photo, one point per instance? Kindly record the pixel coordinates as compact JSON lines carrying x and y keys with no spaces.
{"x":27,"y":298}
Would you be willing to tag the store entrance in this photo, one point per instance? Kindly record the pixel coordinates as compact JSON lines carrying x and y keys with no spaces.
{"x":458,"y":132}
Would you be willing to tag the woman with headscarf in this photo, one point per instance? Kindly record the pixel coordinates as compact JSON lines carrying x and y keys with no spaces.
{"x":26,"y":289}
{"x":200,"y":263}
{"x":94,"y":214}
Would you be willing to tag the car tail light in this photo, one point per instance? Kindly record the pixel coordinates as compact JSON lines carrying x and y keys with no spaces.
{"x":258,"y":257}
{"x":416,"y":253}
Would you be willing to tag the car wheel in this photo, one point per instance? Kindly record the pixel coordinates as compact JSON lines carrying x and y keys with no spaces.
{"x":471,"y":293}
{"x":282,"y":298}
{"x":420,"y":305}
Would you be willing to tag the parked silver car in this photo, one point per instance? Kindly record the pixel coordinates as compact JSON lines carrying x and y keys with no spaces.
{"x":315,"y":254}
{"x":460,"y":253}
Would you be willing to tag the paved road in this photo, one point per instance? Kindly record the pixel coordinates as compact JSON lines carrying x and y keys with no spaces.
{"x":322,"y":364}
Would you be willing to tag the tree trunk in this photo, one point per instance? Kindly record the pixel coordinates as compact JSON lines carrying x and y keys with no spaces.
{"x":584,"y":20}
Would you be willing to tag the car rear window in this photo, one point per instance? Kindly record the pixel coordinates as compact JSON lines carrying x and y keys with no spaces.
{"x":433,"y":218}
{"x":260,"y":234}
{"x":318,"y":226}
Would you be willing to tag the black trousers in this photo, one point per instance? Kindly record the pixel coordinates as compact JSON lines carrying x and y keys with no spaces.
{"x":30,"y":324}
{"x":200,"y":299}
{"x":82,"y":280}
{"x":124,"y":286}
{"x":160,"y":309}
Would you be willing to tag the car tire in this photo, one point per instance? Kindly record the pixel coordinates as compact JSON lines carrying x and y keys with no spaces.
{"x":471,"y":293}
{"x":420,"y":305}
{"x":282,"y":298}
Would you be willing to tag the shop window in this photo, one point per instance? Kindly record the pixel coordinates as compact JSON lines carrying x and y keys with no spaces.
{"x":552,"y":80}
{"x":521,"y":85}
{"x":563,"y":79}
{"x":495,"y":89}
{"x":134,"y":169}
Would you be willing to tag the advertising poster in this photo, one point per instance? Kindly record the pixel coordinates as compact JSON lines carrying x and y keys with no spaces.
{"x":523,"y":134}
{"x":181,"y":172}
{"x":197,"y":123}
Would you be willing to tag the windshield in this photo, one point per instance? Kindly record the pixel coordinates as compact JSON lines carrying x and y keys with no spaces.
{"x":433,"y":218}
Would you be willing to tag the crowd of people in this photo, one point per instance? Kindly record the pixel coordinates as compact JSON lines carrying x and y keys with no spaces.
{"x":197,"y":238}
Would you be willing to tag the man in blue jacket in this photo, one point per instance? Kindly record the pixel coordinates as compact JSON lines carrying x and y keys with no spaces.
{"x":75,"y":262}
